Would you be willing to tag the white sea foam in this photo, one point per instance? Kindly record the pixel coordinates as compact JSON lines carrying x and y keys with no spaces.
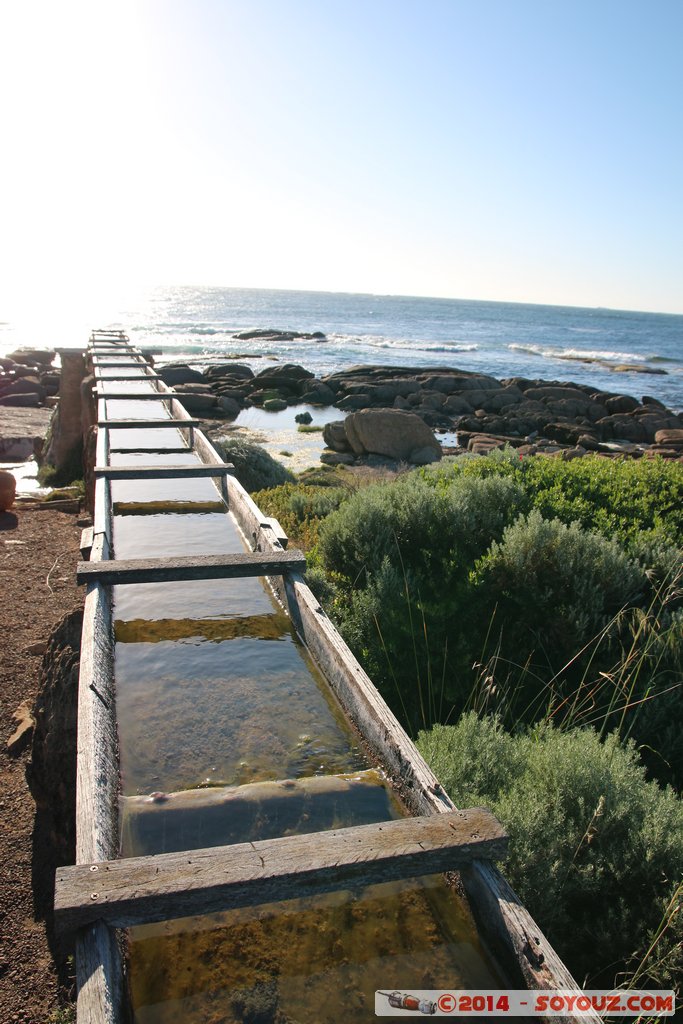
{"x":548,"y":352}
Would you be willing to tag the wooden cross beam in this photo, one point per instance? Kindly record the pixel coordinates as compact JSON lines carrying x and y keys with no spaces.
{"x":125,"y":375}
{"x":143,"y":396}
{"x":140,"y":890}
{"x":146,"y":424}
{"x":203,"y":469}
{"x":191,"y":567}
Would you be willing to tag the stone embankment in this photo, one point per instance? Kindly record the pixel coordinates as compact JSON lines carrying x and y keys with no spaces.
{"x":536,"y":416}
{"x":29,"y":385}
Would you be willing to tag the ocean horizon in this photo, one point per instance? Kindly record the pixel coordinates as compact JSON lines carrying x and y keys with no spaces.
{"x":622,"y":351}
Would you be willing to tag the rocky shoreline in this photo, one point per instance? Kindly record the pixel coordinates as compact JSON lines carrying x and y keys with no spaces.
{"x":536,"y":416}
{"x":475,"y":411}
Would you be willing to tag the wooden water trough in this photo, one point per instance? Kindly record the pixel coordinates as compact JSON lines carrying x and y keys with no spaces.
{"x":103,"y":893}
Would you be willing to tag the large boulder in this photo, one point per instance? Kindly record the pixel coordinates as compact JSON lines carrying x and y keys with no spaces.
{"x":670,"y":438}
{"x":180,"y":373}
{"x":334,"y":436}
{"x":23,"y":386}
{"x":230,"y":371}
{"x":33,"y":356}
{"x":391,"y":432}
{"x":29,"y":400}
{"x":8,"y":489}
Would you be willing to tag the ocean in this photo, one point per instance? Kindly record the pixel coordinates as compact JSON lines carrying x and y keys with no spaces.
{"x":500,"y":338}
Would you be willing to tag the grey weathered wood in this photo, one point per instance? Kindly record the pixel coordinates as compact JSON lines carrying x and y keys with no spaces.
{"x":85,"y":545}
{"x":257,"y":528}
{"x":139,"y":890}
{"x":135,"y":396}
{"x":99,"y":973}
{"x":147,"y":424}
{"x":123,"y":359}
{"x":99,"y":977}
{"x":191,"y":567}
{"x":202,"y":469}
{"x":147,"y":374}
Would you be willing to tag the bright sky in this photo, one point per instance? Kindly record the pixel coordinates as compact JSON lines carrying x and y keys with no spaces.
{"x":522,"y":150}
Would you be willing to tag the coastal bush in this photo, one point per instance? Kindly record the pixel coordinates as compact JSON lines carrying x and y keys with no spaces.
{"x":401,"y":557}
{"x":300,"y":508}
{"x":554,"y":587}
{"x":619,"y":498}
{"x":595,"y":849}
{"x":255,"y":468}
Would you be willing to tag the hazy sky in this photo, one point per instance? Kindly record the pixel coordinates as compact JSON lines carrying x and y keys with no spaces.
{"x":523,"y":150}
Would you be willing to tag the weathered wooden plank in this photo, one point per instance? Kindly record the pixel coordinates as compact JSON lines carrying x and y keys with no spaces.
{"x":191,"y":567}
{"x":85,"y":545}
{"x":127,"y":375}
{"x":99,"y":977}
{"x":147,"y":424}
{"x":257,"y":528}
{"x":202,"y":469}
{"x":140,"y":890}
{"x":136,"y":396}
{"x":126,"y":358}
{"x":99,"y":971}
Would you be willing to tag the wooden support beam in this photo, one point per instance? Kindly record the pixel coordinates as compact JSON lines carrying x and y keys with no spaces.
{"x":163,"y":472}
{"x":126,"y":361}
{"x":127,"y":375}
{"x":134,"y":396}
{"x":192,"y":567}
{"x":147,"y":424}
{"x":141,"y":890}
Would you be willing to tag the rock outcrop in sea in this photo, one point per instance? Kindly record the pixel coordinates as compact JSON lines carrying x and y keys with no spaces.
{"x":534,"y":415}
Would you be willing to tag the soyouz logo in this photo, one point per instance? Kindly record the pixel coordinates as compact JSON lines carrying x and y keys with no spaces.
{"x":523,"y":1003}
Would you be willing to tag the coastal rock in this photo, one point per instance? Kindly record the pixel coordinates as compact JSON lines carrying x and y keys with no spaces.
{"x":23,"y":386}
{"x":317,"y":393}
{"x":272,"y":334}
{"x":228,"y":406}
{"x":334,"y":436}
{"x":18,"y":448}
{"x":621,"y":427}
{"x":25,"y":371}
{"x":621,"y":403}
{"x":28,"y":400}
{"x":8,"y":489}
{"x":390,"y":432}
{"x":229,"y":371}
{"x":274,"y":404}
{"x":285,"y":371}
{"x":303,"y":417}
{"x":196,"y":402}
{"x":330,"y":458}
{"x":670,"y":439}
{"x":352,"y":403}
{"x":179,"y":373}
{"x":32,"y":356}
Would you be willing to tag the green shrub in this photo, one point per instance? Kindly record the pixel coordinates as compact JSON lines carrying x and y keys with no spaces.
{"x":417,"y":526}
{"x":300,"y":508}
{"x":595,"y":849}
{"x":401,"y":555}
{"x":555,"y":587}
{"x":255,"y":468}
{"x":619,"y":498}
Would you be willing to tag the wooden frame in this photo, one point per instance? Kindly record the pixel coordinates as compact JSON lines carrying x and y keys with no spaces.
{"x":504,"y":923}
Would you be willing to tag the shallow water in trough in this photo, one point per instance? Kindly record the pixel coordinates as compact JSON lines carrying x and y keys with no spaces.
{"x":224,"y":718}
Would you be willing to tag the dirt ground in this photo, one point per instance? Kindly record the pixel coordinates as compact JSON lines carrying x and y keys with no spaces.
{"x":38,"y":555}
